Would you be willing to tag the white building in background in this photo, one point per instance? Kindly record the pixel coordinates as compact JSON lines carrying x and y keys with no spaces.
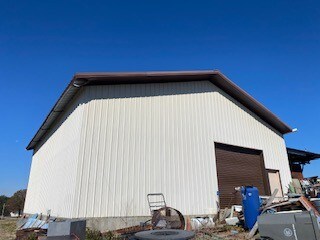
{"x":112,"y":138}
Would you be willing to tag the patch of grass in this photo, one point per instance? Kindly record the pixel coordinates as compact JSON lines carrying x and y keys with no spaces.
{"x":8,"y":229}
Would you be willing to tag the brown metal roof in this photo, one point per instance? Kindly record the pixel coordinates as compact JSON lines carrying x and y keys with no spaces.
{"x":107,"y":78}
{"x":301,"y":156}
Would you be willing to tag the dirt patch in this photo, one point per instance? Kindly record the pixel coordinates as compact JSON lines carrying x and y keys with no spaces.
{"x":8,"y":228}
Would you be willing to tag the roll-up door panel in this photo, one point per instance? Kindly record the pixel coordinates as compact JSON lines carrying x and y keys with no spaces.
{"x":237,"y":166}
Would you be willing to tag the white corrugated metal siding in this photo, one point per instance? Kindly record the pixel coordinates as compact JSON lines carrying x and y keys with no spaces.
{"x":143,"y":138}
{"x":54,"y":164}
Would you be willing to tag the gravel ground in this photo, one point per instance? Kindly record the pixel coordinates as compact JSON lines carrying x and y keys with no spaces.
{"x":8,"y":228}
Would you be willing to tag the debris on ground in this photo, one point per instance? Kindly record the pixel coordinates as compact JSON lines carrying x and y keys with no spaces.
{"x":69,"y":228}
{"x":163,"y":216}
{"x":221,"y":232}
{"x":234,"y":223}
{"x":128,"y":231}
{"x":31,"y":233}
{"x":201,"y":222}
{"x":254,"y":213}
{"x":33,"y":226}
{"x":168,"y":217}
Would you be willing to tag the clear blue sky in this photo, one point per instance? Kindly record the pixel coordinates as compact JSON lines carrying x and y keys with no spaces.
{"x":269,"y":48}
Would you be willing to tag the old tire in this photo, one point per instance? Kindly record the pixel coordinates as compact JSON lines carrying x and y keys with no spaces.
{"x":164,"y":234}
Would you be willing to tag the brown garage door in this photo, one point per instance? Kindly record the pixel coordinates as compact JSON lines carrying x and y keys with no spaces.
{"x":237,"y":166}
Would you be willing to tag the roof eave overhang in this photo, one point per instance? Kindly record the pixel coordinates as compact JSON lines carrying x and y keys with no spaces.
{"x":217,"y":78}
{"x":301,"y":156}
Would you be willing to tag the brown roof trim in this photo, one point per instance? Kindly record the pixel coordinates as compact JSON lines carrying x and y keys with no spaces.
{"x":301,"y":156}
{"x":106,"y":78}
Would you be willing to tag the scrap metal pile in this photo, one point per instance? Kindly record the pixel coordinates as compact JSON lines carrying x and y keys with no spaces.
{"x":34,"y":225}
{"x":165,"y":221}
{"x":257,"y":213}
{"x":309,"y":187}
{"x":295,"y":216}
{"x":45,"y":227}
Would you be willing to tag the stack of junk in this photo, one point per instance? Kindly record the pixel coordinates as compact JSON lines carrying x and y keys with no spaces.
{"x":165,"y":223}
{"x":295,"y":216}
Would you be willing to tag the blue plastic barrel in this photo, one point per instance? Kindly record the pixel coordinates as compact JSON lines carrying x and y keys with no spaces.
{"x":251,"y":205}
